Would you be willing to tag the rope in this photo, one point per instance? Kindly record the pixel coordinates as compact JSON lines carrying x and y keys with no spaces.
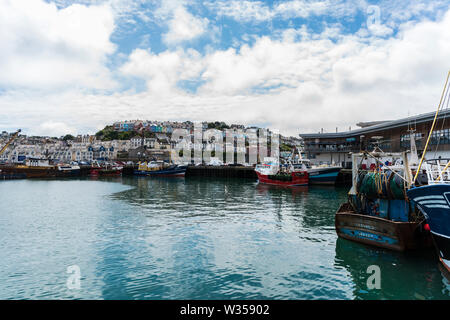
{"x":432,"y":128}
{"x":443,"y":122}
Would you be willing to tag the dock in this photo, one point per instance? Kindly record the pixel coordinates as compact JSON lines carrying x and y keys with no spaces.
{"x":344,"y":178}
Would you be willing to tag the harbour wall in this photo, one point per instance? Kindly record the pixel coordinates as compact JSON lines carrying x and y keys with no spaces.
{"x":344,"y":178}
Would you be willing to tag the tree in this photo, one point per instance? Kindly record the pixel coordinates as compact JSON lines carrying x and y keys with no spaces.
{"x":68,"y":137}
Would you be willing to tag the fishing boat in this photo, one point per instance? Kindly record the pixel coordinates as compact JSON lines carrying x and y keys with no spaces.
{"x":290,"y":175}
{"x":318,"y":174}
{"x":105,"y":169}
{"x":434,"y":202}
{"x":33,"y":168}
{"x":67,"y":170}
{"x":433,"y":199}
{"x":324,"y":174}
{"x":160,"y":169}
{"x":378,"y":212}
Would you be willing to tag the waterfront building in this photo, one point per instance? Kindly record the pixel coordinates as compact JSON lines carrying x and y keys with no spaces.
{"x":390,"y":136}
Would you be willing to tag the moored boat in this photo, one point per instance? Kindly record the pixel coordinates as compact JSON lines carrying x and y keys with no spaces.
{"x":433,"y":199}
{"x":105,"y":169}
{"x":66,"y":170}
{"x":317,"y":174}
{"x":33,"y":168}
{"x":325,"y":175}
{"x":291,"y":175}
{"x":377,"y":212}
{"x":160,"y":170}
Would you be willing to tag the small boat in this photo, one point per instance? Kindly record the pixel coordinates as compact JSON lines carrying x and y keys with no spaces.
{"x":290,"y":175}
{"x":105,"y":170}
{"x":67,"y":170}
{"x":160,"y":169}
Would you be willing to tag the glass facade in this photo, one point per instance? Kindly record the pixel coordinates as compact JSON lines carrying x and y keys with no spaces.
{"x":405,"y":140}
{"x":440,"y":137}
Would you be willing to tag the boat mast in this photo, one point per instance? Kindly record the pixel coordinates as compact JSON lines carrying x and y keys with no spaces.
{"x":414,"y":159}
{"x":432,"y":128}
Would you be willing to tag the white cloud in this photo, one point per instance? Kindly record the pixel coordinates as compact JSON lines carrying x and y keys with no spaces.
{"x":295,"y":80}
{"x":302,"y":85}
{"x":183,"y":26}
{"x":162,"y":71}
{"x":46,"y":47}
{"x":54,"y":129}
{"x":260,"y":11}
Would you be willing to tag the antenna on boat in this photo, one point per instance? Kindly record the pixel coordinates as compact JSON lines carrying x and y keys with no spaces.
{"x":414,"y":159}
{"x":444,"y":91}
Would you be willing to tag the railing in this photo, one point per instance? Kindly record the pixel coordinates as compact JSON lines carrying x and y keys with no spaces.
{"x":332,"y":149}
{"x":437,"y":171}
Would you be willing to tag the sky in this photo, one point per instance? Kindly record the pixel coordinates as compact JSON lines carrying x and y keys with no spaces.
{"x":296,"y":65}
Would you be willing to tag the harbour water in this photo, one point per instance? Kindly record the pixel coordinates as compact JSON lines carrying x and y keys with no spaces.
{"x":193,"y":238}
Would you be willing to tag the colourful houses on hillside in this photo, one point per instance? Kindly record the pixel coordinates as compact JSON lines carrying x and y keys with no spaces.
{"x":153,"y":126}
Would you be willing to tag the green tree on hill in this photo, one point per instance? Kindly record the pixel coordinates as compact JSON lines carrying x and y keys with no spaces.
{"x":68,"y":137}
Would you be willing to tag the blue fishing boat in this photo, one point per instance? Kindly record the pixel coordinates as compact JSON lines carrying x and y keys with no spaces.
{"x":433,"y":199}
{"x":323,"y":175}
{"x":317,"y":174}
{"x":160,"y":170}
{"x":434,"y":202}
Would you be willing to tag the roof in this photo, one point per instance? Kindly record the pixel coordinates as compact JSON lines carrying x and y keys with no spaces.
{"x":425,"y":117}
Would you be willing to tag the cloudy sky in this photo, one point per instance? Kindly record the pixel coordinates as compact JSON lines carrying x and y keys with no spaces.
{"x":294,"y":65}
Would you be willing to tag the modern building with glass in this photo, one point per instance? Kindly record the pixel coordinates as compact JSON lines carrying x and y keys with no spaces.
{"x":391,"y":136}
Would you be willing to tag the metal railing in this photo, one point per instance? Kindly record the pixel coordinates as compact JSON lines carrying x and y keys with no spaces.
{"x":437,"y":171}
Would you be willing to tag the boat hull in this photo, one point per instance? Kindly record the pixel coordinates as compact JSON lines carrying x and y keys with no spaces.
{"x":68,"y":173}
{"x":295,"y":179}
{"x":380,"y":232}
{"x":17,"y":172}
{"x":434,"y":202}
{"x":178,"y":171}
{"x":102,"y":172}
{"x":324,"y":176}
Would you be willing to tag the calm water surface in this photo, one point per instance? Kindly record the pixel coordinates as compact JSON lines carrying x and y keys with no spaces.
{"x":139,"y":238}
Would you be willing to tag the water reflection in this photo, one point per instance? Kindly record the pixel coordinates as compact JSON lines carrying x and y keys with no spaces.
{"x":412,"y":275}
{"x":194,"y":238}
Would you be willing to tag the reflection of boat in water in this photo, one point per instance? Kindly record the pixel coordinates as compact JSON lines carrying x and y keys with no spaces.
{"x":410,"y":276}
{"x":377,"y":212}
{"x":158,"y":169}
{"x":291,"y":175}
{"x":270,"y":190}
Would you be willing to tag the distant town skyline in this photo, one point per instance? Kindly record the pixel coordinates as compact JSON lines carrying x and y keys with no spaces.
{"x":71,"y":67}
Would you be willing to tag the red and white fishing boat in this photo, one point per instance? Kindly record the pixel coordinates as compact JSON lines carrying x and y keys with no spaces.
{"x":105,"y":170}
{"x":290,"y":175}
